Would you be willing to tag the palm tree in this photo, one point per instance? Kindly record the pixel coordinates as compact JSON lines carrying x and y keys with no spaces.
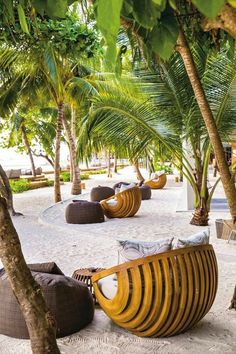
{"x":174,"y":97}
{"x":118,"y":118}
{"x":48,"y":72}
{"x":19,"y":133}
{"x":210,"y":123}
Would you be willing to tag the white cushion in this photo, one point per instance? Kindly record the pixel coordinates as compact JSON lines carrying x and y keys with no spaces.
{"x":112,"y":202}
{"x":133,"y":249}
{"x":154,"y":175}
{"x":160,"y":173}
{"x":108,"y":286}
{"x":200,"y":238}
{"x":124,"y":187}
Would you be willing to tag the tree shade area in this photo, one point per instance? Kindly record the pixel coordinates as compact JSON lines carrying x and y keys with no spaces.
{"x":148,"y":81}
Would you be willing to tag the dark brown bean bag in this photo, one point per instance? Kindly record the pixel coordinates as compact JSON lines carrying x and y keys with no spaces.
{"x":84,"y":212}
{"x":101,"y":192}
{"x":69,"y":300}
{"x":146,"y":192}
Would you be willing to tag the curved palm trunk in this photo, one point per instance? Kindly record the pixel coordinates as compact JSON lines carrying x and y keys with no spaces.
{"x":28,"y":149}
{"x":227,"y":181}
{"x":137,"y":170}
{"x":46,"y":157}
{"x":40,"y":322}
{"x":57,"y":187}
{"x":5,"y":191}
{"x":76,"y":181}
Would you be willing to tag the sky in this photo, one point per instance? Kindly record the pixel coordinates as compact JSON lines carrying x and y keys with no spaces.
{"x":9,"y":159}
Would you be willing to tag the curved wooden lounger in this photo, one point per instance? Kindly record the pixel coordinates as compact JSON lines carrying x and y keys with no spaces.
{"x":164,"y":294}
{"x":128,"y":203}
{"x":157,"y":183}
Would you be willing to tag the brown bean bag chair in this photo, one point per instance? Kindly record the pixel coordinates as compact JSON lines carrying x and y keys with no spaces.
{"x":84,"y":212}
{"x":101,"y":192}
{"x":146,"y":192}
{"x":69,"y":300}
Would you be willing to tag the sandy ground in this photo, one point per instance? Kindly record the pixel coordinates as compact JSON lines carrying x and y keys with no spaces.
{"x":95,"y":245}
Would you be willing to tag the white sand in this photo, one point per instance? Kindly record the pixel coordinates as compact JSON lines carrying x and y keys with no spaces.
{"x":95,"y":245}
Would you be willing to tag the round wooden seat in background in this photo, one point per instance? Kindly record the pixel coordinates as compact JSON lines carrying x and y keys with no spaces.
{"x":164,"y":294}
{"x":158,"y":183}
{"x":127,"y":203}
{"x":101,"y":192}
{"x":84,"y":212}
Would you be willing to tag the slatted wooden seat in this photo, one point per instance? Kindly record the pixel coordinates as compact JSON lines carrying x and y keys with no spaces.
{"x":158,"y":183}
{"x":127,"y":203}
{"x":164,"y":294}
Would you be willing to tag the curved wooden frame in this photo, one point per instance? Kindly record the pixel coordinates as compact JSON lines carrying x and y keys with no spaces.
{"x":162,"y":295}
{"x":128,"y":203}
{"x":157,"y":183}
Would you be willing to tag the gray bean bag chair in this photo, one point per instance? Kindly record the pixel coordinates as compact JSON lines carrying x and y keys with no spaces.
{"x":69,"y":300}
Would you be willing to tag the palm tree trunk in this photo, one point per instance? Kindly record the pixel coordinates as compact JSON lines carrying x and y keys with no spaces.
{"x":6,"y":192}
{"x":76,"y":181}
{"x":46,"y":157}
{"x":115,"y":164}
{"x":233,"y":301}
{"x":201,"y":214}
{"x":228,"y":184}
{"x":109,"y":174}
{"x":57,"y":187}
{"x":39,"y":320}
{"x":28,"y":149}
{"x":137,"y":170}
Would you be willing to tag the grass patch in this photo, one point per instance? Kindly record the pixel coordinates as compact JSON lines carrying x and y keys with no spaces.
{"x":19,"y":185}
{"x":84,"y":176}
{"x":98,"y":172}
{"x":50,"y":183}
{"x":65,"y":176}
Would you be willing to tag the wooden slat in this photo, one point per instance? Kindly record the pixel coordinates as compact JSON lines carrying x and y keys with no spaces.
{"x":179,"y":288}
{"x":127,"y":204}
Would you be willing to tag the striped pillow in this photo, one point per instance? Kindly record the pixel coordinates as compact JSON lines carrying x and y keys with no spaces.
{"x":201,"y":238}
{"x":132,"y":249}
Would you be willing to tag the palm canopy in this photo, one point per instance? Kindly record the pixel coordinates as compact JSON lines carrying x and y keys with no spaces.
{"x":160,"y":108}
{"x":121,"y":117}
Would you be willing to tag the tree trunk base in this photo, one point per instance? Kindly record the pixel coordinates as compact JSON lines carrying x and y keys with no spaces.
{"x":15,"y":213}
{"x":200,"y":217}
{"x":233,"y":301}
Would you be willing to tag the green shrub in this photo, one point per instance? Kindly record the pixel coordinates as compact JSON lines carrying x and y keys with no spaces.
{"x":65,"y":176}
{"x":98,"y":172}
{"x":50,"y":183}
{"x":19,"y":185}
{"x":168,"y":170}
{"x":84,"y":176}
